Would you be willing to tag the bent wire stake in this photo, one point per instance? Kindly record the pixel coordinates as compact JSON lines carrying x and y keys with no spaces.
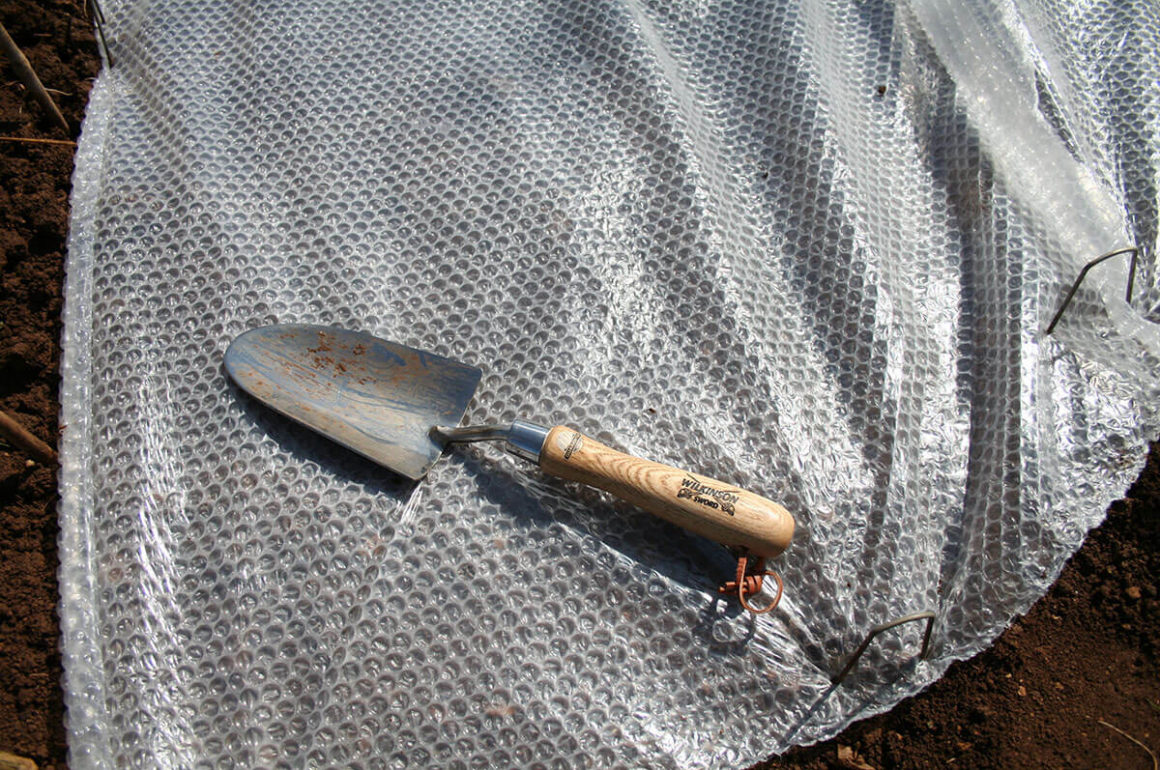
{"x":1135,"y":251}
{"x":99,"y":21}
{"x":928,"y":615}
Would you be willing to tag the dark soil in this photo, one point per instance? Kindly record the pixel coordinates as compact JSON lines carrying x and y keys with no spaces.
{"x":1085,"y":655}
{"x":34,"y":189}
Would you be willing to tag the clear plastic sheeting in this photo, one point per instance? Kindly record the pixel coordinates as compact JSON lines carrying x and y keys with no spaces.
{"x":810,"y":248}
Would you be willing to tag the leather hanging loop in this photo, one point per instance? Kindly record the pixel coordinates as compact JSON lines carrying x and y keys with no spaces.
{"x":749,"y":581}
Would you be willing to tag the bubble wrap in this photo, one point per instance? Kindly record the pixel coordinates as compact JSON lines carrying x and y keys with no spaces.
{"x":807,"y":247}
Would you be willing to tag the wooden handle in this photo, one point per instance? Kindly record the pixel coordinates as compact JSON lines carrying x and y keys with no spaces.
{"x":711,"y":508}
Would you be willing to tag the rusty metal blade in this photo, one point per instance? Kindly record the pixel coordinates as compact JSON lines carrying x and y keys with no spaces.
{"x":375,"y":397}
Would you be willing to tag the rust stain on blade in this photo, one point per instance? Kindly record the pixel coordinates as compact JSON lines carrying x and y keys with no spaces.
{"x":375,"y":397}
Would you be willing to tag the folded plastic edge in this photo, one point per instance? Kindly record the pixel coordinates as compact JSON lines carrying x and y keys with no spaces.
{"x":84,"y":680}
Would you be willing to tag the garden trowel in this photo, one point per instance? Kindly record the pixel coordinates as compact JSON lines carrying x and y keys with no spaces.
{"x":400,"y":406}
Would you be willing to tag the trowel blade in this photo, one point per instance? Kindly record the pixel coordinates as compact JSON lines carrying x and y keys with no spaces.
{"x":375,"y":397}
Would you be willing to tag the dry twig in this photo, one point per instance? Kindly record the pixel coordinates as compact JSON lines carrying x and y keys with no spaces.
{"x":14,"y":762}
{"x":1155,"y":762}
{"x":28,"y":77}
{"x":31,"y":140}
{"x":19,"y":436}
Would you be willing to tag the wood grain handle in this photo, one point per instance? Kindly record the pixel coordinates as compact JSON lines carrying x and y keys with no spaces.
{"x":711,"y":508}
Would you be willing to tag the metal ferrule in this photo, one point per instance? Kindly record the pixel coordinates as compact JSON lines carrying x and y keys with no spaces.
{"x":526,"y":440}
{"x":523,"y":439}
